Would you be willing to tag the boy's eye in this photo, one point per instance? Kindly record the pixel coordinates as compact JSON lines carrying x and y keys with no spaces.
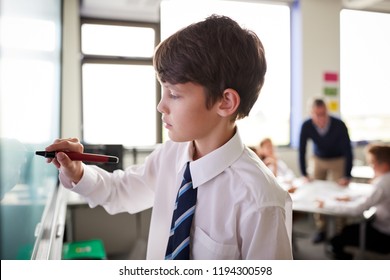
{"x":173,"y":95}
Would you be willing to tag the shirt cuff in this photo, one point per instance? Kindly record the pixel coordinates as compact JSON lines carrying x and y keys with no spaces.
{"x":83,"y":186}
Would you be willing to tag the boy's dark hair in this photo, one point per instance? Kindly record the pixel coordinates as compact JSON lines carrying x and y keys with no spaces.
{"x":381,"y":152}
{"x":216,"y":54}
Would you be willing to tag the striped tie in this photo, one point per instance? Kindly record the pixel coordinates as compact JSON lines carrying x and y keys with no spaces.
{"x":179,"y":240}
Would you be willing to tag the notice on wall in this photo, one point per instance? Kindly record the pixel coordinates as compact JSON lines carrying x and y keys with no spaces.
{"x":331,"y":90}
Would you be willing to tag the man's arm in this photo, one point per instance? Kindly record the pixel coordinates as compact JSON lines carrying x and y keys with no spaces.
{"x":302,"y":150}
{"x":347,"y":147}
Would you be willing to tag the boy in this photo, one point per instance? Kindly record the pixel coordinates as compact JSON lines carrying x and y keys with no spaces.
{"x":378,"y":230}
{"x":211,"y":73}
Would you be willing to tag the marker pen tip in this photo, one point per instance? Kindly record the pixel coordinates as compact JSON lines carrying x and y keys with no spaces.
{"x":40,"y":153}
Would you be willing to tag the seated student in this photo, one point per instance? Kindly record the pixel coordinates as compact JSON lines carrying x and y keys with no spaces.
{"x":266,"y":152}
{"x":211,"y":73}
{"x":378,"y":230}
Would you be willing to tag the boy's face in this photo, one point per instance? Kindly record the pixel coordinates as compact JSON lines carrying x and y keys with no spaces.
{"x":377,"y":167}
{"x":184,"y":112}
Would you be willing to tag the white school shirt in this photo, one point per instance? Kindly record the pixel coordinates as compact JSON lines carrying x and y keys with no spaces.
{"x":380,"y":198}
{"x":241,"y":212}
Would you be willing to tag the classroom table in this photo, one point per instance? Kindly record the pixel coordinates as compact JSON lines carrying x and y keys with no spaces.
{"x":306,"y":196}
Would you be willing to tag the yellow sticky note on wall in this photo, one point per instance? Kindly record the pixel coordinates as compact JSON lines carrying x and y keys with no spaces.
{"x":333,"y":106}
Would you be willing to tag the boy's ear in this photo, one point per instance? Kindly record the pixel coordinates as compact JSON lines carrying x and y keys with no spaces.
{"x":229,"y":103}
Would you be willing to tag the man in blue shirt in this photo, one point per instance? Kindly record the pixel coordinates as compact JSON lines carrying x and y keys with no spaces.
{"x":332,"y":151}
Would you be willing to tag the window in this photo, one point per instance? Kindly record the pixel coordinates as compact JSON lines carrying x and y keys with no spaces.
{"x":270,"y":116}
{"x":30,"y":80}
{"x":113,"y":40}
{"x":364,"y":74}
{"x":119,"y":86}
{"x":118,"y":83}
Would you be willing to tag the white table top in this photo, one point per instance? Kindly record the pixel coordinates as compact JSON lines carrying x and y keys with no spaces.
{"x":306,"y":196}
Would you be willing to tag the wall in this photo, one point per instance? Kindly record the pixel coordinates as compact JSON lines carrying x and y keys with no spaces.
{"x":71,"y":71}
{"x":316,"y":48}
{"x":320,"y":44}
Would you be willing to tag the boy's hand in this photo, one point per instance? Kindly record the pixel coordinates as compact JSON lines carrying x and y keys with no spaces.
{"x":320,"y":203}
{"x":72,"y":169}
{"x":269,"y":161}
{"x":292,"y":189}
{"x":343,"y":198}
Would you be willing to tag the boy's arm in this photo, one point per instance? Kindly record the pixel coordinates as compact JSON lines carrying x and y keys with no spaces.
{"x":117,"y":192}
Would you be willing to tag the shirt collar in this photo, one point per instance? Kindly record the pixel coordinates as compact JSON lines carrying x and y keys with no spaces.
{"x":214,"y":163}
{"x":323,"y":131}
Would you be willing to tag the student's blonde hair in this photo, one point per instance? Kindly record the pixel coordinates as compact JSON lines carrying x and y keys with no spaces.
{"x":265,"y":140}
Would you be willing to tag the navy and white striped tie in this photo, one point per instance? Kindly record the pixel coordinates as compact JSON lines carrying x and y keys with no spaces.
{"x":179,"y":240}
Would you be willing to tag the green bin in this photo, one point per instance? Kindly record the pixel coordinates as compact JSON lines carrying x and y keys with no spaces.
{"x":84,"y":250}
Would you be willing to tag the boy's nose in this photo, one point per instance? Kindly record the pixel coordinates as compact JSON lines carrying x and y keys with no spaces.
{"x":161,"y":107}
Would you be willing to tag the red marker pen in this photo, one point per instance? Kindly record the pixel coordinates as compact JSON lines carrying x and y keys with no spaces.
{"x":81,"y":156}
